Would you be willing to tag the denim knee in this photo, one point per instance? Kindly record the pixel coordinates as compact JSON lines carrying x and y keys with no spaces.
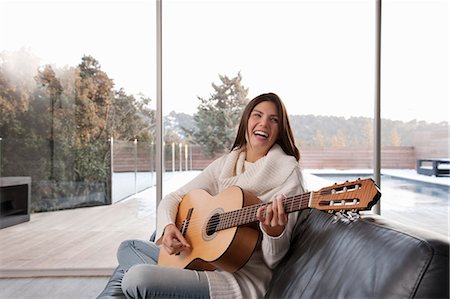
{"x":136,"y":280}
{"x":123,"y":248}
{"x":152,"y":281}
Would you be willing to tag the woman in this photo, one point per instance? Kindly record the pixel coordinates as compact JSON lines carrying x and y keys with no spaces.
{"x":263,"y":161}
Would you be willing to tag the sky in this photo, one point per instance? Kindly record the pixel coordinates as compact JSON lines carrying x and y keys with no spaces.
{"x":317,"y":55}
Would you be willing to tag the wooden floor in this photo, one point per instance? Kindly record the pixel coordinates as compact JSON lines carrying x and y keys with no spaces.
{"x":78,"y":242}
{"x":52,"y":288}
{"x":71,"y":253}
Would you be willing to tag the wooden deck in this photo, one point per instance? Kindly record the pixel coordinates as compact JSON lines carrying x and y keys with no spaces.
{"x":71,"y":253}
{"x":78,"y":242}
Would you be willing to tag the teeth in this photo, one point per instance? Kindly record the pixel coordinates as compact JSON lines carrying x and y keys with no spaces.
{"x":261,"y":133}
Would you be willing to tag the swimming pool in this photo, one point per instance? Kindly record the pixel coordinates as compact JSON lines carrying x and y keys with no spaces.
{"x":408,"y":201}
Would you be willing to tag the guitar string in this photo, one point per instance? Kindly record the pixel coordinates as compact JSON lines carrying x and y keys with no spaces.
{"x":247,"y":210}
{"x":194,"y":228}
{"x":248,"y":213}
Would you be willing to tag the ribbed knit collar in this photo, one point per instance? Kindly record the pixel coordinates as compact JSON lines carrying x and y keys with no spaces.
{"x":266,"y":173}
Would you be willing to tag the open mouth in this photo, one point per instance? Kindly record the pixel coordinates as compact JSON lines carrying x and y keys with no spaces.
{"x":261,"y":133}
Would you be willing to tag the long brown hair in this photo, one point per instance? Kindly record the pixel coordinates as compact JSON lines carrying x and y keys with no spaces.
{"x":285,"y":136}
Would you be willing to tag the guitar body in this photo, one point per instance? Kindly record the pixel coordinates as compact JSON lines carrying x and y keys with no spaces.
{"x":227,"y":249}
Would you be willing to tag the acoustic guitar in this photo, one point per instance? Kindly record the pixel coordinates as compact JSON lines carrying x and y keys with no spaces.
{"x":223,"y":231}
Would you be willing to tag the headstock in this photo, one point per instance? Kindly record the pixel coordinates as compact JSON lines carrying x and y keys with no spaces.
{"x":350,"y":196}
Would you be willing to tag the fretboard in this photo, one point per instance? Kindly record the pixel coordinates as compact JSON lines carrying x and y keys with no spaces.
{"x":247,"y":214}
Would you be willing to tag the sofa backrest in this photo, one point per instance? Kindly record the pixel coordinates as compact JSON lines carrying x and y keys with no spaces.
{"x":367,"y":258}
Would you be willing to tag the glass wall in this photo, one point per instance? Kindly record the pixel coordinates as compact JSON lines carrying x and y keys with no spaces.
{"x":415,"y":112}
{"x":318,"y":56}
{"x":77,"y":92}
{"x":74,"y":77}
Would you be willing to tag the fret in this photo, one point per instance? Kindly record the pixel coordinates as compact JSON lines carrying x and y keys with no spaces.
{"x":247,"y":214}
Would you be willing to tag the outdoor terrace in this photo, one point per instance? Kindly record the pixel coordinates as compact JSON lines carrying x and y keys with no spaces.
{"x":71,"y":253}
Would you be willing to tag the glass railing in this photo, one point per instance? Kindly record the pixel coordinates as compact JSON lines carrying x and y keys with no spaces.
{"x":60,"y":179}
{"x":133,"y":168}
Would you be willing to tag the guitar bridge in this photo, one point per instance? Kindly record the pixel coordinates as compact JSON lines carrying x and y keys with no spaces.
{"x":185,"y":224}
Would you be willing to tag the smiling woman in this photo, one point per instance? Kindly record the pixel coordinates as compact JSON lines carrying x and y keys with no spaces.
{"x":262,"y":121}
{"x":263,"y":162}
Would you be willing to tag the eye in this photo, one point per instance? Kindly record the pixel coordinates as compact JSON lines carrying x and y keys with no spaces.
{"x":274,"y":119}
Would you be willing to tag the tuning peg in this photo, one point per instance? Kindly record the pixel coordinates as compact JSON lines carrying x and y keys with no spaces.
{"x":337,"y":216}
{"x":345,"y":217}
{"x":352,"y":216}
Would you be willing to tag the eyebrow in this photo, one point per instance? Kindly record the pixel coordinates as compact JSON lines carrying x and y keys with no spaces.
{"x":254,"y":109}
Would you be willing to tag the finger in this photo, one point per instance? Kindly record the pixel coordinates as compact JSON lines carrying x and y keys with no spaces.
{"x":260,"y":214}
{"x":168,"y":249}
{"x":181,"y":239}
{"x":280,"y":201}
{"x":275,"y":206}
{"x":275,"y":212}
{"x":269,"y":215}
{"x":282,"y":217}
{"x":175,"y":238}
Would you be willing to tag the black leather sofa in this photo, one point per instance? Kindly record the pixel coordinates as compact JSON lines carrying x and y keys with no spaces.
{"x":367,"y":258}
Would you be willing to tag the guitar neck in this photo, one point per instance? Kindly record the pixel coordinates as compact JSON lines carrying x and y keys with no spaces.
{"x":247,"y":214}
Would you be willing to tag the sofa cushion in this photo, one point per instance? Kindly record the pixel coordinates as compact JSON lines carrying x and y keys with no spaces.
{"x":368,"y":258}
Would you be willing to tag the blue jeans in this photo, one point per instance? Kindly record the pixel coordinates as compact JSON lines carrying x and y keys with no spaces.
{"x":145,"y":279}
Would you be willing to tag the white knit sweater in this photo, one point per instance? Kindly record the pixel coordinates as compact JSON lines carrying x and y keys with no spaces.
{"x":268,"y":177}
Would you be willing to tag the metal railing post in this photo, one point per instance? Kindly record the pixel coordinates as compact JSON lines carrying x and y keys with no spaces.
{"x":159,"y":125}
{"x":377,"y":106}
{"x":135,"y":165}
{"x":111,"y":144}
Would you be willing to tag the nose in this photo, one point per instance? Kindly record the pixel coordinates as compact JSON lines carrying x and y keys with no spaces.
{"x":265,"y":121}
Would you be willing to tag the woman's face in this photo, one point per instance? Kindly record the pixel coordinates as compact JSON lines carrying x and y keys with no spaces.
{"x":262,"y":130}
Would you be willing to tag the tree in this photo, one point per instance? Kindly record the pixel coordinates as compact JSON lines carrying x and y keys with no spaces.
{"x":339,"y":139}
{"x":131,"y":118}
{"x":395,"y":138}
{"x":93,"y":100}
{"x":55,"y":124}
{"x":318,"y":139}
{"x":47,"y":78}
{"x":218,"y":117}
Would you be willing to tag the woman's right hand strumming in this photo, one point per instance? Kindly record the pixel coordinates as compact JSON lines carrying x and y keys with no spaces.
{"x":173,"y":241}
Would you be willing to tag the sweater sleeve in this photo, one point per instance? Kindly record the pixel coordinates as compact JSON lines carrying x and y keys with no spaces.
{"x":168,"y":207}
{"x":274,"y":248}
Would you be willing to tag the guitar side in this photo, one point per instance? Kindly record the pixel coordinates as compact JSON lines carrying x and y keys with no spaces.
{"x":227,"y":249}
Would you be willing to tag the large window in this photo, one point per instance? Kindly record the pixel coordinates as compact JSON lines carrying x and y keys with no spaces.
{"x":415,"y":111}
{"x":77,"y":91}
{"x":318,"y":56}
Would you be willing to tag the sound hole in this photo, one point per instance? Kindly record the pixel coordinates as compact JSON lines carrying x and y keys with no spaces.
{"x":209,"y":228}
{"x":212,"y":224}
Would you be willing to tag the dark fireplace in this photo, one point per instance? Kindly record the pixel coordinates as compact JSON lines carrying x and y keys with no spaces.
{"x":14,"y":200}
